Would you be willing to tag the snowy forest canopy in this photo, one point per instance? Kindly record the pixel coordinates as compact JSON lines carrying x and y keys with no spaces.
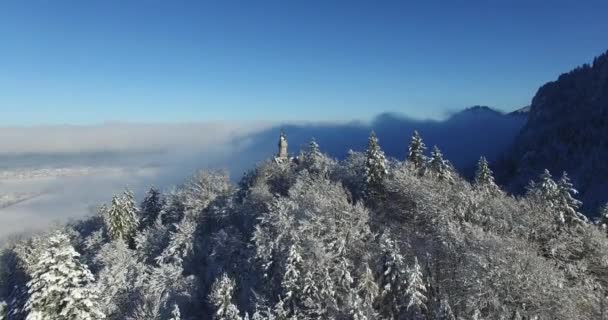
{"x":311,"y":237}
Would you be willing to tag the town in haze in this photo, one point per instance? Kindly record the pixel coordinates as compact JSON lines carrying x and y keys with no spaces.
{"x":390,"y":160}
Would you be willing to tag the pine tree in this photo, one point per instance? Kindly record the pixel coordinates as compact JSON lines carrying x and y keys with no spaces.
{"x":484,"y":180}
{"x":567,"y":205}
{"x":58,"y":288}
{"x":439,"y":166}
{"x":416,"y":291}
{"x":415,"y":155}
{"x":151,"y":207}
{"x":375,"y":168}
{"x":121,"y":217}
{"x":221,"y":299}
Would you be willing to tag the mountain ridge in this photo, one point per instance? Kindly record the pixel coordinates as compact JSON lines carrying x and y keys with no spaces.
{"x":566,"y":130}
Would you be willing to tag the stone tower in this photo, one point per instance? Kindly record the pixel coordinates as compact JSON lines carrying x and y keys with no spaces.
{"x":282,"y":156}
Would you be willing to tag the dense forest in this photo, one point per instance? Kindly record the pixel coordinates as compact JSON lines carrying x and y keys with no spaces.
{"x":567,"y":129}
{"x":310,"y":237}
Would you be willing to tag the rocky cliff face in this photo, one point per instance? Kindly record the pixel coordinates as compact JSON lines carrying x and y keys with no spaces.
{"x":567,"y":129}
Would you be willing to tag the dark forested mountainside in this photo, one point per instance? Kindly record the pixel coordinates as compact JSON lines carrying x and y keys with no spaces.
{"x":463,"y":136}
{"x":314,"y":238}
{"x":567,"y":130}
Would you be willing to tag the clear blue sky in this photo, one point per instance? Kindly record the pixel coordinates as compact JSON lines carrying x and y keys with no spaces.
{"x":82,"y":62}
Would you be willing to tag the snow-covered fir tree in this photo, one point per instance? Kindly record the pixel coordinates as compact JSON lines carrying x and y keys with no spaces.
{"x":128,"y":199}
{"x":291,"y":280}
{"x":484,"y":178}
{"x":121,"y":217}
{"x":181,"y":242}
{"x":548,"y":187}
{"x":415,"y":154}
{"x":375,"y":168}
{"x":221,"y":298}
{"x":60,"y":284}
{"x":416,"y":291}
{"x":440,"y":167}
{"x":151,"y":207}
{"x":175,"y":314}
{"x":566,"y":204}
{"x":366,"y":293}
{"x":313,"y":160}
{"x":120,"y":278}
{"x":393,"y":278}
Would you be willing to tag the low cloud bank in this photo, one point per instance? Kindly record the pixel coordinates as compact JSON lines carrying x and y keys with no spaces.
{"x":49,"y":175}
{"x":119,"y":137}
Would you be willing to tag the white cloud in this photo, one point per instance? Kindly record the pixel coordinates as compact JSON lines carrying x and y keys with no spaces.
{"x":120,"y":137}
{"x":50,"y":174}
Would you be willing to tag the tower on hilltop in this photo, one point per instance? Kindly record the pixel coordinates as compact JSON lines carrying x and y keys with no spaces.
{"x":282,"y":155}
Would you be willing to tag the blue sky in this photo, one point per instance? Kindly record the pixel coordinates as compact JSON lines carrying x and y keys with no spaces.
{"x":83,"y":62}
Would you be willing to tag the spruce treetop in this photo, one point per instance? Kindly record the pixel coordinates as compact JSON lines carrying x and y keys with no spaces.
{"x":416,"y":150}
{"x":375,"y":167}
{"x":484,"y":178}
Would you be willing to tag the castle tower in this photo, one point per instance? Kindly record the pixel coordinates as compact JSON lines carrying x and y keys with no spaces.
{"x":282,"y":156}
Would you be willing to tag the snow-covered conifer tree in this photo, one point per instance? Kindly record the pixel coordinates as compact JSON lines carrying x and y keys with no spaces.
{"x":365,"y":295}
{"x":58,"y":288}
{"x":375,"y":168}
{"x":121,"y":217}
{"x":291,"y":278}
{"x":416,"y":291}
{"x":367,"y":287}
{"x":313,"y":151}
{"x":393,"y":281}
{"x":121,"y":275}
{"x":151,"y":207}
{"x":603,"y":218}
{"x":3,"y":310}
{"x":175,"y":314}
{"x":567,"y":205}
{"x":181,"y":242}
{"x":221,"y":298}
{"x":556,"y":197}
{"x":314,"y":161}
{"x":547,"y":187}
{"x":484,"y":180}
{"x":263,"y":314}
{"x":439,"y":166}
{"x":128,"y":200}
{"x":415,"y":154}
{"x":280,"y":312}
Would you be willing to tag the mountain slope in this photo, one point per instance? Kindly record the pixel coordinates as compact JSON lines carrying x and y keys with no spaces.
{"x":567,"y":130}
{"x":463,"y":137}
